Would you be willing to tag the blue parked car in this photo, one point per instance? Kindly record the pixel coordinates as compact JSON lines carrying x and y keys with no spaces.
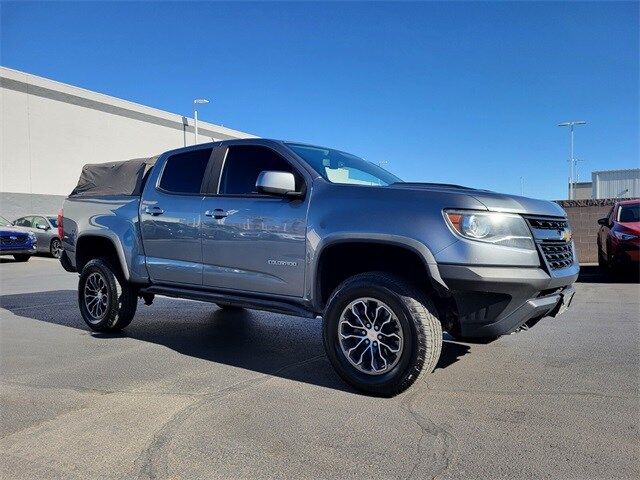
{"x":16,"y":242}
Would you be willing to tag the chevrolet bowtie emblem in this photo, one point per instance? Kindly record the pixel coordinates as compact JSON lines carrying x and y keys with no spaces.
{"x":565,"y":235}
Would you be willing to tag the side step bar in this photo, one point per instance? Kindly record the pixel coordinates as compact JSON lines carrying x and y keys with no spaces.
{"x":257,"y":303}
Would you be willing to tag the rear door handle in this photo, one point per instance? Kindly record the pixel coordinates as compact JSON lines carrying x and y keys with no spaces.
{"x":153,"y":211}
{"x":217,"y":213}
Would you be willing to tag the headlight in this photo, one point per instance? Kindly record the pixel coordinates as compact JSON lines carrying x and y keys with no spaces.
{"x":504,"y":229}
{"x":624,"y":236}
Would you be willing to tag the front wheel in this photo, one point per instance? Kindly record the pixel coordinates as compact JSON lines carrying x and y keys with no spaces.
{"x":381,"y":333}
{"x":106,"y":303}
{"x":55,"y":248}
{"x":602,"y":261}
{"x":21,"y":257}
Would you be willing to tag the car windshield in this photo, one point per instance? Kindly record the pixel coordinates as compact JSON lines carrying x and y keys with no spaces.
{"x":53,"y":221}
{"x":4,"y":222}
{"x":629,"y":213}
{"x":342,"y":167}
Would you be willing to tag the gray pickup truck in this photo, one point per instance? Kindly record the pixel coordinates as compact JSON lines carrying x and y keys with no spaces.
{"x":311,"y":231}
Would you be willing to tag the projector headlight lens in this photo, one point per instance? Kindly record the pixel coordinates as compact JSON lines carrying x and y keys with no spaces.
{"x":624,"y":236}
{"x":506,"y":229}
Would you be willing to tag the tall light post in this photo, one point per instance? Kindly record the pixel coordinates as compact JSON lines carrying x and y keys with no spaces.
{"x":197,"y":101}
{"x":571,"y":126}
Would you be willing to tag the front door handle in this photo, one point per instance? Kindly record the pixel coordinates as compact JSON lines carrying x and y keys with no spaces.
{"x":153,"y":211}
{"x":217,"y":213}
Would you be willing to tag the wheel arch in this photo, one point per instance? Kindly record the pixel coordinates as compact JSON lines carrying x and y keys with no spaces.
{"x":380,"y":243}
{"x":103,"y":244}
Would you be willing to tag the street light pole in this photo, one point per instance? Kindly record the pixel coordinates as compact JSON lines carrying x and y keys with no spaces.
{"x":571,"y":126}
{"x":197,"y":101}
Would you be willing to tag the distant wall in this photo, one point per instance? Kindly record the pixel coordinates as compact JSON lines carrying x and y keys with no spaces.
{"x":49,"y":130}
{"x":15,"y":205}
{"x":583,"y":216}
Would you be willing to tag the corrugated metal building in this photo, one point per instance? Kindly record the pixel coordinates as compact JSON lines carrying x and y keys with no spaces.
{"x":616,"y":183}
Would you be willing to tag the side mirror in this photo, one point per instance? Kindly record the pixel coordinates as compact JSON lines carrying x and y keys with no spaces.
{"x":603,"y":221}
{"x":40,"y":226}
{"x":277,"y":183}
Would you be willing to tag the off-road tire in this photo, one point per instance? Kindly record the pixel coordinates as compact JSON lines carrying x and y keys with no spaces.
{"x":121,"y":298}
{"x":21,"y":258}
{"x":417,"y":316}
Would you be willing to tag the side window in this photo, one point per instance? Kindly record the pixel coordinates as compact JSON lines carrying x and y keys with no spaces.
{"x":23,"y":222}
{"x":184,"y":172}
{"x":39,"y":221}
{"x":243,"y":165}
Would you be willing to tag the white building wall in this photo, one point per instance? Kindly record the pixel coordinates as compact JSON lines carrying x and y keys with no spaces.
{"x":49,"y":130}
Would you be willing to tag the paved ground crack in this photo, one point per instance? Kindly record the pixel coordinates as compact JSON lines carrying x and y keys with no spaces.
{"x":153,"y":463}
{"x":444,"y":442}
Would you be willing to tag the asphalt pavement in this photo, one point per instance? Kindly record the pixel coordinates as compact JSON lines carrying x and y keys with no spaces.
{"x":191,"y":391}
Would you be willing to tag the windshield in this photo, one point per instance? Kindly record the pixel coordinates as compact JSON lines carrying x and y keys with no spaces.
{"x":341,"y":167}
{"x":4,"y":222}
{"x":53,"y":221}
{"x":629,"y":213}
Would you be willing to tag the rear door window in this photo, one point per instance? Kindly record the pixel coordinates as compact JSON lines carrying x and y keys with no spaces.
{"x":184,"y":172}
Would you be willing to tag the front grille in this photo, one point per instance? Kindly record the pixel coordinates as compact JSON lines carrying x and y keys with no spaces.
{"x":553,"y":238}
{"x":546,"y":224}
{"x":557,"y":254}
{"x":16,"y":240}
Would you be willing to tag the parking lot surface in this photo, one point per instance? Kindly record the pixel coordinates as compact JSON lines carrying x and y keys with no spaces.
{"x":190,"y":391}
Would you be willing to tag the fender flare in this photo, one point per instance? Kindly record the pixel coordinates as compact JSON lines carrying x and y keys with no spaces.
{"x":113,"y":238}
{"x":410,"y":244}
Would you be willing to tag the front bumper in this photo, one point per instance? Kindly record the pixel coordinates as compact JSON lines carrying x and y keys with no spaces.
{"x":18,"y":251}
{"x":493,"y":301}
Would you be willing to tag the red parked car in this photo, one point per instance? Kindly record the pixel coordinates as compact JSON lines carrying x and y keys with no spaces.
{"x":619,"y":237}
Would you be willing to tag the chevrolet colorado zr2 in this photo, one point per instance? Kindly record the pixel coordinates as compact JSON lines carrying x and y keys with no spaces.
{"x":311,"y":231}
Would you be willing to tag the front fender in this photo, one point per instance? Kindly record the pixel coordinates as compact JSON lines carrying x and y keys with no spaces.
{"x":317,"y":246}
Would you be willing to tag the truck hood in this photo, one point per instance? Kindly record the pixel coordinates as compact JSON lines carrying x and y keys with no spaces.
{"x":498,"y":202}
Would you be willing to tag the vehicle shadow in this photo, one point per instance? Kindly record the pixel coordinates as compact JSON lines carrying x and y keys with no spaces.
{"x":8,"y":260}
{"x":594,"y":274}
{"x":279,"y":345}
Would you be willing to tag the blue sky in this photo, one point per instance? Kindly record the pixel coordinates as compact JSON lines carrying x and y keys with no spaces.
{"x":467,"y":93}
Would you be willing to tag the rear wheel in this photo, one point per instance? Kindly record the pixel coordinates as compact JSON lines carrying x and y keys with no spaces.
{"x":381,"y":333}
{"x":55,"y":248}
{"x":22,"y":258}
{"x":106,"y":303}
